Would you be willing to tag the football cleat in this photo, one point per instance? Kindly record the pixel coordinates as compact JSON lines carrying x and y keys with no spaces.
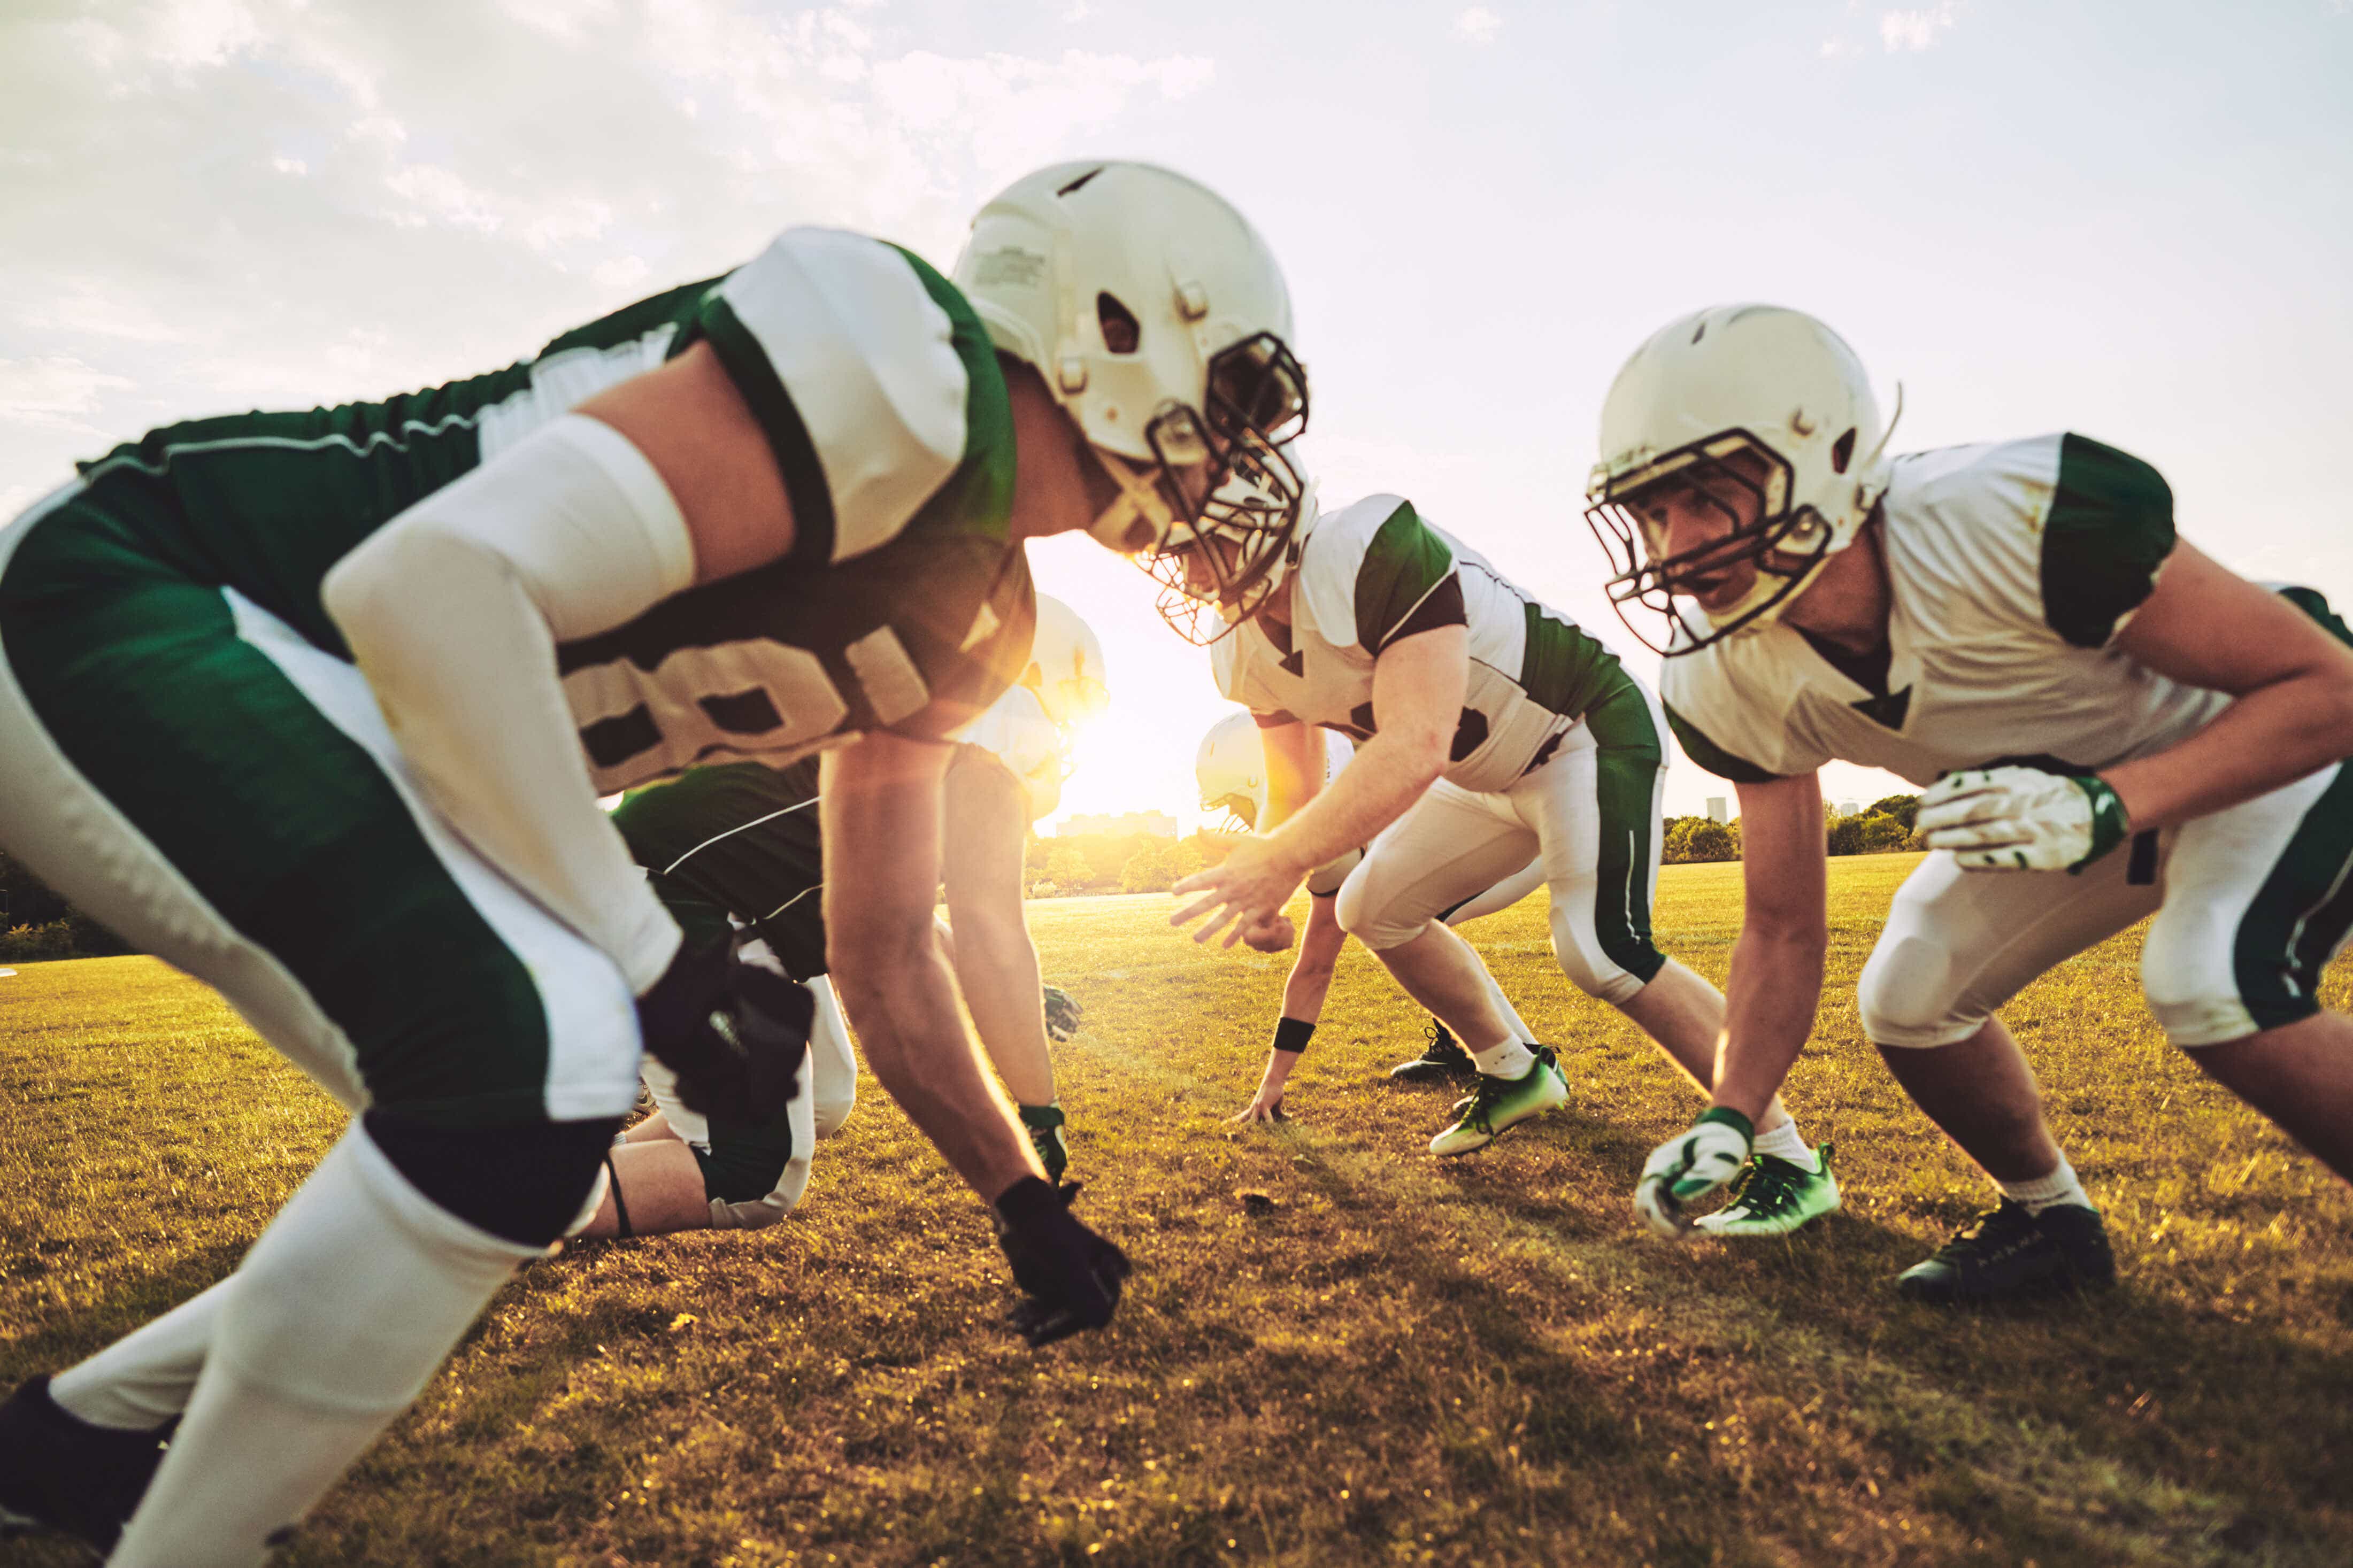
{"x":1063,"y":1012}
{"x":1495,"y":1105}
{"x":2008,"y":1253}
{"x":1044,"y":1125}
{"x":59,"y":1472}
{"x":1775,"y":1196}
{"x":1444,"y":1059}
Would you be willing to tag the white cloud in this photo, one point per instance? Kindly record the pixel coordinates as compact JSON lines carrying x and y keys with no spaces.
{"x":48,"y":390}
{"x":1911,"y":31}
{"x":1478,"y":26}
{"x":393,"y":197}
{"x":1837,"y":48}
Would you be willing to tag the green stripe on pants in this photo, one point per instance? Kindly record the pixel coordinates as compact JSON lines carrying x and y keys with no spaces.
{"x":284,"y":825}
{"x":2305,"y":906}
{"x":1627,"y":762}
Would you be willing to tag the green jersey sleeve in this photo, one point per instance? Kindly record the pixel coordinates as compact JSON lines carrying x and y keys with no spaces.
{"x":2109,"y":529}
{"x":874,"y":380}
{"x":1375,"y":571}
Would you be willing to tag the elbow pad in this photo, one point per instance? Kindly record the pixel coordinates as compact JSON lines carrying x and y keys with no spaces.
{"x":1325,"y":879}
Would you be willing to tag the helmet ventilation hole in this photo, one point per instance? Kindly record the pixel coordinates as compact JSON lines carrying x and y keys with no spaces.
{"x":1122,"y":333}
{"x":1841,"y":452}
{"x":1701,"y":332}
{"x":1082,"y":179}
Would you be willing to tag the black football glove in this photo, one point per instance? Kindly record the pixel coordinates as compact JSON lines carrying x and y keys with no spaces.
{"x":1071,"y":1276}
{"x":733,"y":1033}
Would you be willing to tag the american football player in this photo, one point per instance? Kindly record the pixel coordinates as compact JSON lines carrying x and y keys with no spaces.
{"x":1489,"y":729}
{"x":318,"y":706}
{"x":1232,"y":770}
{"x":737,"y":847}
{"x":2109,"y":724}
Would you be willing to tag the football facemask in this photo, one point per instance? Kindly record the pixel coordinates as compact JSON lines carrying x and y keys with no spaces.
{"x":1781,"y":546}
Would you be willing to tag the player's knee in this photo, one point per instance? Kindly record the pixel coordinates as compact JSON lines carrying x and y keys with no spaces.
{"x":1373,"y":921}
{"x":1615,"y":977}
{"x":525,"y":1183}
{"x":2192,"y":983}
{"x":1907,"y":997}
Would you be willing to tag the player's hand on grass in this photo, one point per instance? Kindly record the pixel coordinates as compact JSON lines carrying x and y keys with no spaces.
{"x":1243,"y":893}
{"x":2021,"y":819}
{"x":736,"y":1034}
{"x":1069,"y":1276}
{"x":1690,"y":1165}
{"x":1266,"y":1105}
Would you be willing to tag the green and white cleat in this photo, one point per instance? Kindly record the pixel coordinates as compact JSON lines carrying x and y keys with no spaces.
{"x":1495,"y":1105}
{"x":1775,"y":1196}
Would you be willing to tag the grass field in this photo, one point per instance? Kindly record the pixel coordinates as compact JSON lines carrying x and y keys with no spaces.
{"x":1400,"y":1362}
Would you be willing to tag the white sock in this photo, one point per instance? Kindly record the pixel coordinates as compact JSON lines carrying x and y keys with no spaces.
{"x":2060,"y":1186}
{"x":144,"y":1379}
{"x":1511,"y":1059}
{"x":1510,"y":1015}
{"x":1783,"y":1144}
{"x":335,"y":1322}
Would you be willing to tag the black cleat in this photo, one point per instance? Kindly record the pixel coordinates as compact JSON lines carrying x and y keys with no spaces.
{"x":1444,"y":1059}
{"x":59,"y":1472}
{"x":2007,"y":1255}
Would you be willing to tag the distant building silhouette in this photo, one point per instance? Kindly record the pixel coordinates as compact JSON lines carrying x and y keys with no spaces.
{"x":1715,"y":809}
{"x":1159,"y":824}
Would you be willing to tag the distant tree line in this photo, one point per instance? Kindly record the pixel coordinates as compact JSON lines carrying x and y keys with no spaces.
{"x":36,"y":923}
{"x":1116,"y":863}
{"x":1884,"y":826}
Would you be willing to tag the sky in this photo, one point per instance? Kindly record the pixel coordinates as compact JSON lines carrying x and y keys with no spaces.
{"x":2134,"y":219}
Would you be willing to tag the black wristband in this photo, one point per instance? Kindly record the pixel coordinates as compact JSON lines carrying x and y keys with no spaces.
{"x":1023,"y":1201}
{"x":1291,"y":1035}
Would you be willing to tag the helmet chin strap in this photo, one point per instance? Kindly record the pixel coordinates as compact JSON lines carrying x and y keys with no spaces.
{"x":1139,"y":506}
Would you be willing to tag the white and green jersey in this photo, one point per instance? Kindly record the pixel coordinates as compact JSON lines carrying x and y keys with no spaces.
{"x":2012,"y":565}
{"x":1373,"y":572}
{"x":1016,"y":732}
{"x":902,"y":605}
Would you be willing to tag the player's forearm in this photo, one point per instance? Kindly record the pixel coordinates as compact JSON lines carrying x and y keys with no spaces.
{"x":2270,"y":737}
{"x":901,"y":1001}
{"x":997,"y":967}
{"x":1776,"y":988}
{"x":1311,"y":975}
{"x":1389,"y":774}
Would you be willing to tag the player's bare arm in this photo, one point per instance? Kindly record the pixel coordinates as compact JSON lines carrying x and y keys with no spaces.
{"x":2205,"y":626}
{"x":1303,"y":1001}
{"x":1417,"y":686}
{"x":881,"y":805}
{"x":1776,"y":984}
{"x":995,"y":963}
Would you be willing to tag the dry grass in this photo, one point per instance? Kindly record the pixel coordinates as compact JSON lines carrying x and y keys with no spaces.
{"x":1479,"y":1362}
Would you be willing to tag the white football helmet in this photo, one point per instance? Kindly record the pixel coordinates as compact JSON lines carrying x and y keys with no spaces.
{"x":1066,"y":666}
{"x":1230,"y":768}
{"x":1159,"y":320}
{"x":1736,"y":378}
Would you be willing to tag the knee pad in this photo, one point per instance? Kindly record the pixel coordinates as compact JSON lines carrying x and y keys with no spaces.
{"x":523,"y":1184}
{"x":1577,"y":948}
{"x":1906,"y":999}
{"x":1378,"y":930}
{"x":2192,"y":983}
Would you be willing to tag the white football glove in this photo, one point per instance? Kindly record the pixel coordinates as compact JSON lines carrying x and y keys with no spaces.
{"x":1691,"y":1165}
{"x":2021,"y":819}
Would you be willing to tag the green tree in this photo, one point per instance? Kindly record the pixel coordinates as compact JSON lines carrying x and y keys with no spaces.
{"x":1707,"y":840}
{"x":1881,"y":832}
{"x":1068,"y":869}
{"x":1902,"y":808}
